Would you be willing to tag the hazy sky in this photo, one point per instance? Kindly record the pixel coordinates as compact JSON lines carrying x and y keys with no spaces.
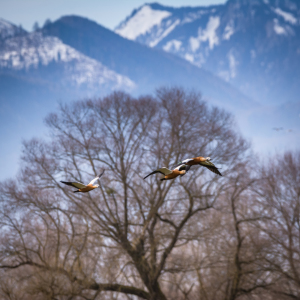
{"x":106,"y":12}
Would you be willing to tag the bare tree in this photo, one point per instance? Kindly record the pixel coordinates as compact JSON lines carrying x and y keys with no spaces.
{"x":279,"y":195}
{"x":224,"y":259}
{"x":131,"y":237}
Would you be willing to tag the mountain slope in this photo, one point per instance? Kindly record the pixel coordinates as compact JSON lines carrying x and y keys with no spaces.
{"x":253,"y":44}
{"x":36,"y":73}
{"x":49,"y":59}
{"x":148,"y":68}
{"x":8,"y":30}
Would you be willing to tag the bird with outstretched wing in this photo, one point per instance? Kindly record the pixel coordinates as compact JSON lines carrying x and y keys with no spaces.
{"x":82,"y":188}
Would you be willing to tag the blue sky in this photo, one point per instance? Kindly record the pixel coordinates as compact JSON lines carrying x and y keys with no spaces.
{"x":106,"y":12}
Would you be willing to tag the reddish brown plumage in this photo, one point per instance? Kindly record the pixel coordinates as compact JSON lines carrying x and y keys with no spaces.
{"x":88,"y":188}
{"x":82,"y":188}
{"x":196,"y":161}
{"x":170,"y":174}
{"x":203,"y":161}
{"x":174,"y":174}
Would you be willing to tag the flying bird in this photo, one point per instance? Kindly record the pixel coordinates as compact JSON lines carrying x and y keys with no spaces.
{"x":84,"y":188}
{"x":202,"y":161}
{"x":171,"y":174}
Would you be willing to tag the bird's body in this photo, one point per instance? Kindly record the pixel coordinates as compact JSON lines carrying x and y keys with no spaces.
{"x":194,"y":161}
{"x":171,"y":174}
{"x":202,"y":161}
{"x":82,"y":188}
{"x":88,"y":188}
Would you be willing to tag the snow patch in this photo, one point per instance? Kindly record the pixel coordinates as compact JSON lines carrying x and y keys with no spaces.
{"x":231,"y":72}
{"x":5,"y":24}
{"x":33,"y":50}
{"x":209,"y":34}
{"x":228,"y":31}
{"x":232,"y":65}
{"x":8,"y":29}
{"x":165,"y":33}
{"x":173,"y":45}
{"x":194,"y":43}
{"x":191,"y":17}
{"x":288,"y":17}
{"x":142,"y":22}
{"x":189,"y":57}
{"x":279,"y":29}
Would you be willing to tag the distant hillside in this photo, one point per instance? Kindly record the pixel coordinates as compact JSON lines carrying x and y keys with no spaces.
{"x":74,"y":58}
{"x":62,"y":67}
{"x":148,"y":68}
{"x":8,"y":30}
{"x":252,"y":44}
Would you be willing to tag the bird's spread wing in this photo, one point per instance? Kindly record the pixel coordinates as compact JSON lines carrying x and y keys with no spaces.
{"x":184,"y":162}
{"x":78,"y":185}
{"x":210,"y":166}
{"x":187,"y":167}
{"x":96,"y":178}
{"x":164,"y":171}
{"x":183,"y":167}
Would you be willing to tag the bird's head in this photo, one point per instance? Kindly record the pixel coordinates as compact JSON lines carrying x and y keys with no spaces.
{"x":96,"y":185}
{"x":208,"y":159}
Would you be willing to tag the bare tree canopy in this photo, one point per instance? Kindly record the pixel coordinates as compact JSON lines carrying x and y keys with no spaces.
{"x":196,"y":237}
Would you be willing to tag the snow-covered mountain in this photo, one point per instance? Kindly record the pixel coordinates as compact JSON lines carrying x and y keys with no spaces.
{"x":50,"y":59}
{"x":148,"y":68}
{"x":253,"y":44}
{"x":74,"y":58}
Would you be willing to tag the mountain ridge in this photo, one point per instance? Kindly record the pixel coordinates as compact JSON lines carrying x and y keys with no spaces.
{"x":8,"y":29}
{"x":39,"y":70}
{"x":254,"y":45}
{"x":148,"y":69}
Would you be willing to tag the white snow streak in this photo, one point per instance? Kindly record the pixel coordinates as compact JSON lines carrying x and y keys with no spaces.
{"x":189,"y":57}
{"x":232,"y":65}
{"x":7,"y":29}
{"x":142,"y":22}
{"x":172,"y":45}
{"x":279,"y":29}
{"x":191,"y":17}
{"x":34,"y":50}
{"x":228,"y":31}
{"x":4,"y":24}
{"x":165,"y":33}
{"x":231,"y":72}
{"x":194,"y":43}
{"x":288,"y":17}
{"x":209,"y":34}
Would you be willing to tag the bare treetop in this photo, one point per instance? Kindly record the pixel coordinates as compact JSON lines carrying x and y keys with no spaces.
{"x":125,"y":236}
